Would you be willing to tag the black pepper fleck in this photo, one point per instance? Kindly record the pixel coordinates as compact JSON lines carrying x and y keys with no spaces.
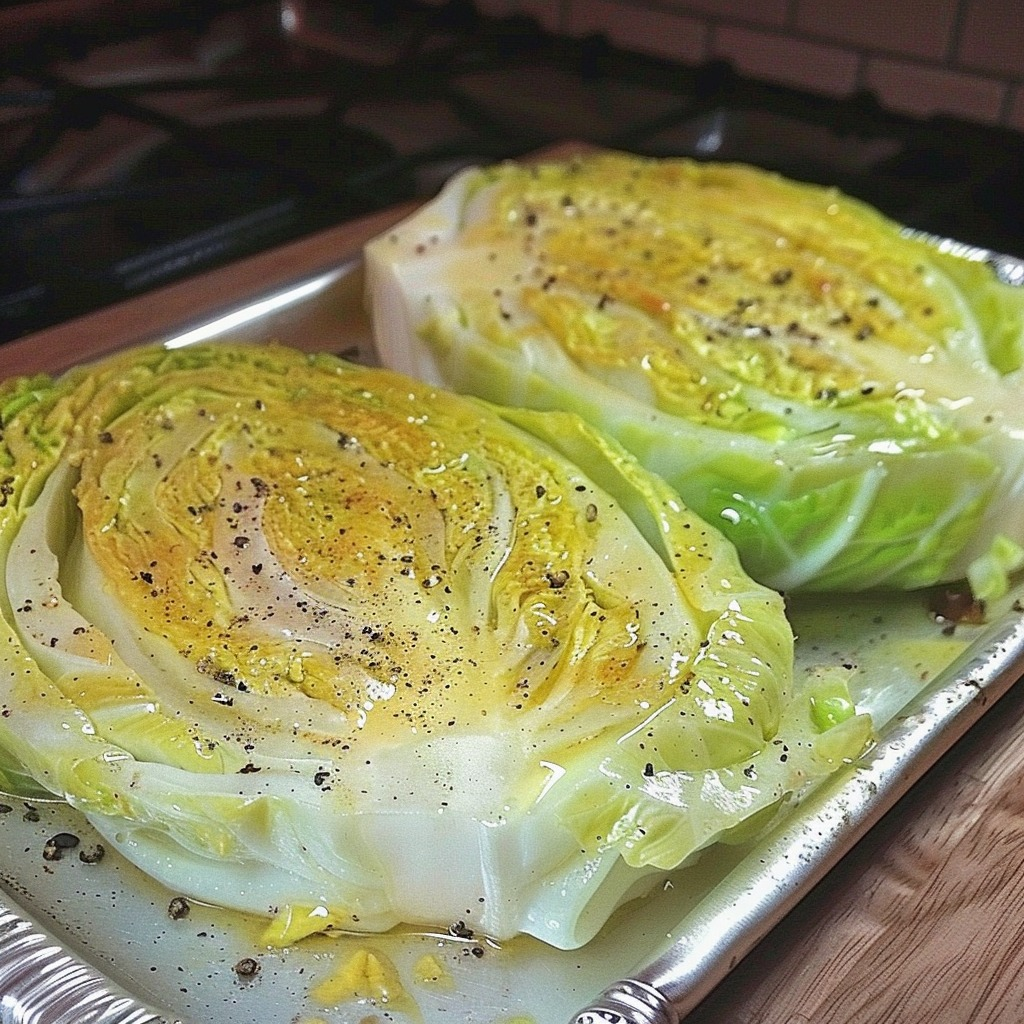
{"x":58,"y":845}
{"x":247,"y":967}
{"x":92,"y":854}
{"x":178,"y":908}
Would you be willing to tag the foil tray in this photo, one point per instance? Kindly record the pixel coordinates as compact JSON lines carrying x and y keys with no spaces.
{"x":87,"y":941}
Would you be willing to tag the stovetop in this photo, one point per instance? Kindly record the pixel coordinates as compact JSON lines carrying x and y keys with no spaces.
{"x":141,"y":149}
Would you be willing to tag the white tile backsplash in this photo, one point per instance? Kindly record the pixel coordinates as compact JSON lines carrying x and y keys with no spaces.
{"x":958,"y":57}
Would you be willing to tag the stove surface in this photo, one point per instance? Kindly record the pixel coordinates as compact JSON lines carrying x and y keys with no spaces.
{"x":137,"y":151}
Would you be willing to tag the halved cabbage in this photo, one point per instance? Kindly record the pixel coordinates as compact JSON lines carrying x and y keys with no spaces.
{"x":841,"y":400}
{"x":317,"y":641}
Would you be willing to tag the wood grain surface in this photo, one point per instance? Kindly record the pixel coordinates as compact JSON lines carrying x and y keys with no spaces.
{"x":922,"y":923}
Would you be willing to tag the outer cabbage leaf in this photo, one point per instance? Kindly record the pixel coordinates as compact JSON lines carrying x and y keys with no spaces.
{"x":839,"y":399}
{"x":319,"y":642}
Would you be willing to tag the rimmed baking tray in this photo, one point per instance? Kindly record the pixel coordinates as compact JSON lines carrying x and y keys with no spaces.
{"x":87,"y":940}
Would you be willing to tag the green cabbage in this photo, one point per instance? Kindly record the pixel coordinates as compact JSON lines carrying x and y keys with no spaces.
{"x":839,"y":399}
{"x":323,"y":643}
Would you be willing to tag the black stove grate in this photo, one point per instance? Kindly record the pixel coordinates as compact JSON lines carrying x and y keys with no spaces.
{"x":139,"y":150}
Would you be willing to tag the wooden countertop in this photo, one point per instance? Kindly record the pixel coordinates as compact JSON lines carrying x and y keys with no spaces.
{"x":923,"y":922}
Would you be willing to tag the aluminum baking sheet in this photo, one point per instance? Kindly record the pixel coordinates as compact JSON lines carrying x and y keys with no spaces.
{"x":93,"y":941}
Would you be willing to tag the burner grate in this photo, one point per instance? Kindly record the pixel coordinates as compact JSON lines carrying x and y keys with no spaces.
{"x":138,"y":150}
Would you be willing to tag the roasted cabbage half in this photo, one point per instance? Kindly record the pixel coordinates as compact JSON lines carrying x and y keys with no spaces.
{"x":841,"y":400}
{"x":319,"y":642}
